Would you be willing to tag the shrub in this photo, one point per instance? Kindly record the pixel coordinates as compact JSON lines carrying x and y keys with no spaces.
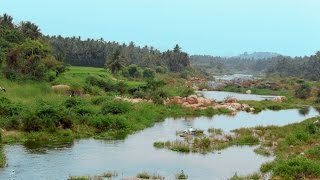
{"x":98,"y":100}
{"x":31,"y":123}
{"x":296,"y":168}
{"x":303,"y":91}
{"x":104,"y":123}
{"x":73,"y":102}
{"x":116,"y":107}
{"x":8,"y":109}
{"x":313,"y":128}
{"x":144,"y":175}
{"x":314,"y":153}
{"x":161,"y":69}
{"x":134,"y":71}
{"x":99,"y":82}
{"x":140,"y":94}
{"x":181,"y":175}
{"x":148,"y":73}
{"x":159,"y":145}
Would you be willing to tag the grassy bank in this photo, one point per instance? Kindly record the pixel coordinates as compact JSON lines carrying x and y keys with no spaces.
{"x":295,"y":146}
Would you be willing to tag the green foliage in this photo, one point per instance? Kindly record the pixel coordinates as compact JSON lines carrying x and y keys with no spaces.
{"x":144,"y":175}
{"x":181,"y":175}
{"x":303,"y":91}
{"x":159,"y":145}
{"x":8,"y":108}
{"x":116,"y":62}
{"x":314,"y":153}
{"x":296,"y":168}
{"x":148,"y":73}
{"x":104,"y":123}
{"x":134,"y":71}
{"x":30,"y":30}
{"x":116,"y":107}
{"x":24,"y":54}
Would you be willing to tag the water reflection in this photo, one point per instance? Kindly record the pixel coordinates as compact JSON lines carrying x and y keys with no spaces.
{"x":304,"y":111}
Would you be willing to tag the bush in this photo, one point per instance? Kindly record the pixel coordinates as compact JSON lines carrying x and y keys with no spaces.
{"x":296,"y":168}
{"x":303,"y":91}
{"x":154,"y":84}
{"x":98,"y":100}
{"x":181,"y":175}
{"x":144,"y":175}
{"x":8,"y":109}
{"x":99,"y":82}
{"x":161,"y":69}
{"x":148,"y":73}
{"x":115,"y":107}
{"x":31,"y":123}
{"x":132,"y":71}
{"x":104,"y":123}
{"x":73,"y":102}
{"x":314,"y":153}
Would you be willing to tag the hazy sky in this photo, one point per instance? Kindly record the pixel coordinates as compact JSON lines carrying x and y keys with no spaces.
{"x":215,"y":27}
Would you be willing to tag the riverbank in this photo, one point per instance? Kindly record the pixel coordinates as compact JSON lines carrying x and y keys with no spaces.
{"x":34,"y":114}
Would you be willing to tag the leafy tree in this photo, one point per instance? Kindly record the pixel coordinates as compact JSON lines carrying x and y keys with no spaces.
{"x":30,"y":59}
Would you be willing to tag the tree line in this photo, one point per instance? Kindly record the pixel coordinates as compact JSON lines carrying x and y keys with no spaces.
{"x":307,"y":67}
{"x":101,"y":53}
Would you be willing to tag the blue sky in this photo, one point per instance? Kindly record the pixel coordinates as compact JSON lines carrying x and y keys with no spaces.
{"x":214,"y":27}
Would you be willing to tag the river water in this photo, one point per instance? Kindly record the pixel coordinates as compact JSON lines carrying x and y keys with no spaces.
{"x":136,"y":153}
{"x":221,"y":95}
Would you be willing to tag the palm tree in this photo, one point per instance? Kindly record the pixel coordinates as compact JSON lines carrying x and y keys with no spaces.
{"x":117,"y":62}
{"x":29,"y":29}
{"x":6,"y":20}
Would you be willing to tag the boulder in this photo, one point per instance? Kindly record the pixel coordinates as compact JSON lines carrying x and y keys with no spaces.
{"x":231,"y":100}
{"x":245,"y":107}
{"x":193,"y":99}
{"x":278,"y":99}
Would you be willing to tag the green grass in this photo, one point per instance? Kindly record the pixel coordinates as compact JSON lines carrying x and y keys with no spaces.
{"x":2,"y":157}
{"x":58,"y":118}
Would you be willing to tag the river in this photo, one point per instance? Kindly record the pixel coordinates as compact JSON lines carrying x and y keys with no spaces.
{"x":136,"y":153}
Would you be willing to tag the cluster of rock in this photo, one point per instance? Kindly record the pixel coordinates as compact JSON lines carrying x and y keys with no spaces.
{"x":192,"y":101}
{"x":132,"y":100}
{"x":196,"y":102}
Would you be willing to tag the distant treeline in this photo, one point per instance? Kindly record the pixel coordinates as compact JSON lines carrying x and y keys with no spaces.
{"x":307,"y":67}
{"x":97,"y":53}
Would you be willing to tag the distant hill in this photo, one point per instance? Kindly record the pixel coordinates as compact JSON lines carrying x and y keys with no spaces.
{"x":257,"y":55}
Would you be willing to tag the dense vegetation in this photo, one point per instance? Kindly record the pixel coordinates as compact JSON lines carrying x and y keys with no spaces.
{"x":98,"y":53}
{"x":24,"y":53}
{"x":307,"y":67}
